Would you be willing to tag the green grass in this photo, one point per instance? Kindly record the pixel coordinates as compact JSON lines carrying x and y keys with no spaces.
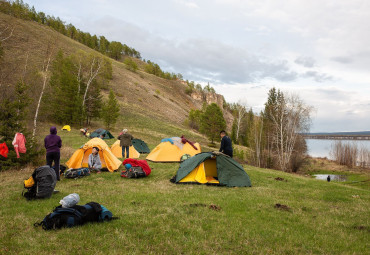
{"x":158,"y":217}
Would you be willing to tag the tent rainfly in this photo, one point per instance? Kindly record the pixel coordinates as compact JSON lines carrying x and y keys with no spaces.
{"x":101,"y":133}
{"x":171,"y":150}
{"x":117,"y":150}
{"x":81,"y":156}
{"x":212,"y":168}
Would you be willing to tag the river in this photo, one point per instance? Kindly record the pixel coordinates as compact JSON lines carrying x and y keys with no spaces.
{"x":321,"y":147}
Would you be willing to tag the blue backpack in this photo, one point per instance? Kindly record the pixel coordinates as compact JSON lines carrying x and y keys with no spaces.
{"x":75,"y":216}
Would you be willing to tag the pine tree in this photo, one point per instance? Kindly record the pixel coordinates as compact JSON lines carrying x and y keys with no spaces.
{"x":12,"y":120}
{"x":212,"y":121}
{"x":111,"y":110}
{"x":64,"y":101}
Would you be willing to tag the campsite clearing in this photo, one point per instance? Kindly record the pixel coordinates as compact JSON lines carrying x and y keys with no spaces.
{"x":157,"y":217}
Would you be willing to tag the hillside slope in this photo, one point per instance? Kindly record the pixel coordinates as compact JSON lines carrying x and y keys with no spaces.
{"x":137,"y":92}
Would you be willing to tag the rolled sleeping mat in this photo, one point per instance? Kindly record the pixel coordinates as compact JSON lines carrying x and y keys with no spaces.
{"x":105,"y":214}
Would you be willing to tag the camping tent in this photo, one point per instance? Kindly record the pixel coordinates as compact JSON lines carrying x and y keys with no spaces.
{"x":117,"y":150}
{"x":81,"y":156}
{"x":140,"y":146}
{"x":66,"y":127}
{"x":212,"y":168}
{"x":168,"y":152}
{"x":101,"y":133}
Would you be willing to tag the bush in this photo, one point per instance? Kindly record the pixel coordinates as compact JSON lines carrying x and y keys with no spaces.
{"x":130,"y":64}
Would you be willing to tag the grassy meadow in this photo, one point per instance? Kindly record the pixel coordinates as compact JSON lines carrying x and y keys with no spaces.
{"x":158,"y":217}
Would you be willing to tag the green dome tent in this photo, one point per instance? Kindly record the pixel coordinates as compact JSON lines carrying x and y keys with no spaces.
{"x":101,"y":133}
{"x":140,"y":146}
{"x":212,"y":168}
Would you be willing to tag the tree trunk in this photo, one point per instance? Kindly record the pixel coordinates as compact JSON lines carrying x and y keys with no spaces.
{"x":45,"y":74}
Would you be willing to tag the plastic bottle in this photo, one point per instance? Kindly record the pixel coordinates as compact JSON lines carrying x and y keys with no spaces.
{"x":70,"y":200}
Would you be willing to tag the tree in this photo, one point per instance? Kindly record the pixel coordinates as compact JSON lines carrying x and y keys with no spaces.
{"x":240,"y":111}
{"x":195,"y":117}
{"x":63,"y":99}
{"x":45,"y":75}
{"x":289,"y":116}
{"x":111,"y":110}
{"x":115,"y":50}
{"x":130,"y":64}
{"x":93,"y":104}
{"x":212,"y":121}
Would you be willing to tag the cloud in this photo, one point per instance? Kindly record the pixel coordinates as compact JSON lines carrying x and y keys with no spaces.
{"x":318,"y":77}
{"x":189,"y":4}
{"x":305,"y":61}
{"x":342,"y":59}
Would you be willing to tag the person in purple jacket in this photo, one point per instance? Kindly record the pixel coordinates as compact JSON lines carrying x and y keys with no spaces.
{"x":53,"y":143}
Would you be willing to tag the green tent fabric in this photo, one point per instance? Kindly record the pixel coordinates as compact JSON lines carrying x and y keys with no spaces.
{"x":229,"y":172}
{"x":140,"y":146}
{"x":101,"y":132}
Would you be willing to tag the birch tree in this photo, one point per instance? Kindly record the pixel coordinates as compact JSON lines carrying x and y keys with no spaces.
{"x":290,"y":116}
{"x":45,"y":77}
{"x":241,"y":111}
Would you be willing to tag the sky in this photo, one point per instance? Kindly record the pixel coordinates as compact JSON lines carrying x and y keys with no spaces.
{"x":318,"y":50}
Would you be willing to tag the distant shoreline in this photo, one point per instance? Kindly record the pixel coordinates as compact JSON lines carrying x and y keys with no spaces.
{"x":336,"y":136}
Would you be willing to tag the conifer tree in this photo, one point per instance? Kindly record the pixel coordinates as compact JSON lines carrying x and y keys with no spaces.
{"x":64,"y":101}
{"x":111,"y":110}
{"x":212,"y":121}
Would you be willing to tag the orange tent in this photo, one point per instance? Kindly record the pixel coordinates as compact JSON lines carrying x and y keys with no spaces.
{"x":167,"y":152}
{"x":81,"y":156}
{"x":117,"y":150}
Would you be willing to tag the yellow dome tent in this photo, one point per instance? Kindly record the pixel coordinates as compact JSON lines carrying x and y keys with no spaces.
{"x":117,"y":150}
{"x":168,"y":152}
{"x":67,"y":127}
{"x":81,"y":156}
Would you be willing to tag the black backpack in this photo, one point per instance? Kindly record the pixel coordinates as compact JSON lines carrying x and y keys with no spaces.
{"x":73,"y":216}
{"x":45,"y":179}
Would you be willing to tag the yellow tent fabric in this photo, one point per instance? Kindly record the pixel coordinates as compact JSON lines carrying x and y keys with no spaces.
{"x":204,"y":173}
{"x":167,"y":152}
{"x":67,"y":127}
{"x":81,"y":156}
{"x":117,"y":150}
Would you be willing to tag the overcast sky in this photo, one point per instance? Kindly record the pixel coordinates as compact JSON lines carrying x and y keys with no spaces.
{"x":317,"y":49}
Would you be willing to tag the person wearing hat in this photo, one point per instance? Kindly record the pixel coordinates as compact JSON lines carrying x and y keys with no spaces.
{"x":94,"y":160}
{"x":125,"y":142}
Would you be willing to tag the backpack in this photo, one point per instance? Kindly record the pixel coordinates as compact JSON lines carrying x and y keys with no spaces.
{"x":76,"y":173}
{"x":43,"y":184}
{"x":75,"y":216}
{"x":133,"y":172}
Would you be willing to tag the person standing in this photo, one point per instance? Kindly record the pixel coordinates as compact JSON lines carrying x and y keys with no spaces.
{"x":53,"y":143}
{"x":94,"y":162}
{"x":226,"y":145}
{"x":125,"y":142}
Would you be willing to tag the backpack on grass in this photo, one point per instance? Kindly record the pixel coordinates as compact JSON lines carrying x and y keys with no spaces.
{"x":133,"y":172}
{"x":41,"y":184}
{"x":76,"y":173}
{"x":75,"y":216}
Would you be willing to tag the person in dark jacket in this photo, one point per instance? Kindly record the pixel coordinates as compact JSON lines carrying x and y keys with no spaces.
{"x":125,"y":142}
{"x":226,"y":145}
{"x":53,"y":143}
